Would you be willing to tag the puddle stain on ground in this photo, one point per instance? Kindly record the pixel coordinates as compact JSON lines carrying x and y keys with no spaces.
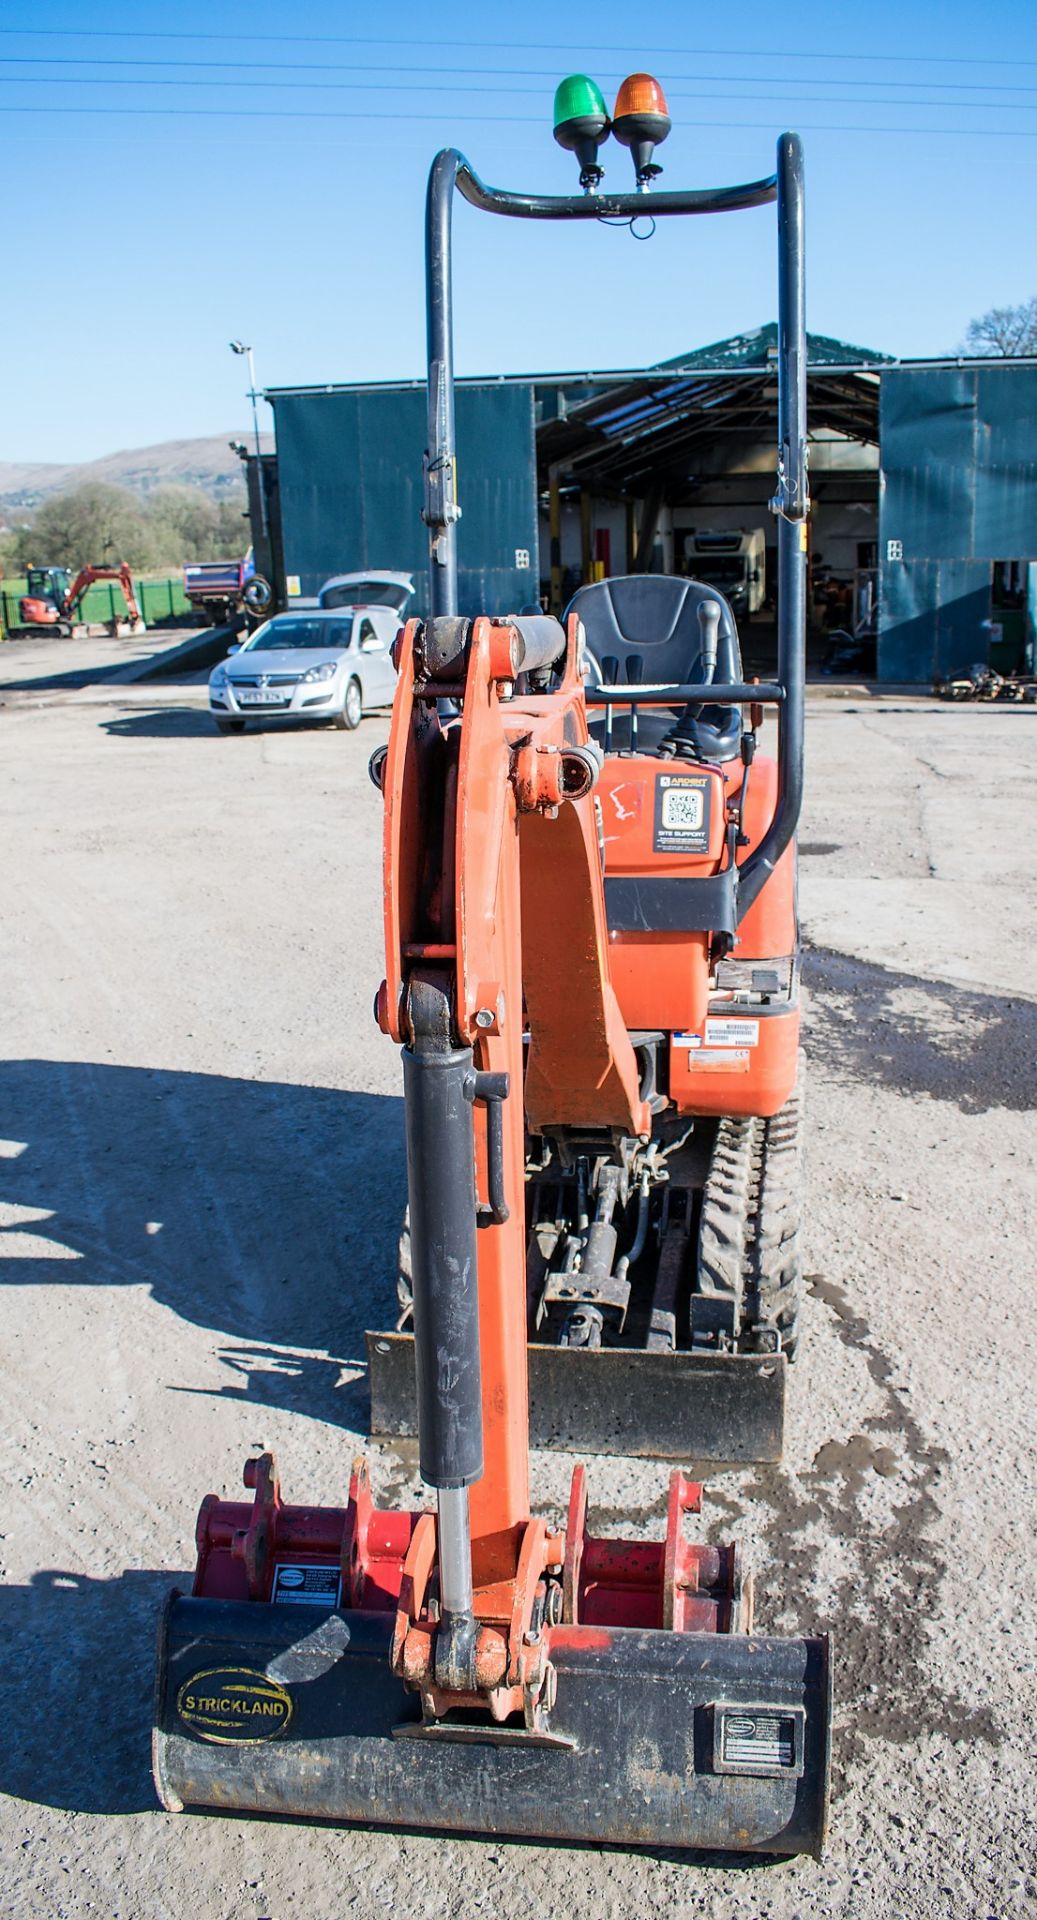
{"x":884,"y":1688}
{"x":854,"y":1458}
{"x":974,"y":1050}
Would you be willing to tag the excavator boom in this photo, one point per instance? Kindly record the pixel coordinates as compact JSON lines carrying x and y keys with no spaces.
{"x":86,"y":578}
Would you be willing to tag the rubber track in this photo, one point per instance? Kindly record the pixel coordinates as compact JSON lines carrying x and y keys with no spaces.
{"x":749,"y":1224}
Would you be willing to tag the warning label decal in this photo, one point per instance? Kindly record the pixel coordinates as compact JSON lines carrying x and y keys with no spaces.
{"x":730,"y":1032}
{"x":710,"y":1058}
{"x":724,"y":1060}
{"x":307,"y":1586}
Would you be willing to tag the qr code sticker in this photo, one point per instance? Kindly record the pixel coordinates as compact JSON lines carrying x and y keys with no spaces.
{"x":683,"y":809}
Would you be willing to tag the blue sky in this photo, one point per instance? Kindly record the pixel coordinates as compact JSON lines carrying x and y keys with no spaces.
{"x":288,"y":210}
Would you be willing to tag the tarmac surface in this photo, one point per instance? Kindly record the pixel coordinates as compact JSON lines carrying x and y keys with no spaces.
{"x":200,"y":1186}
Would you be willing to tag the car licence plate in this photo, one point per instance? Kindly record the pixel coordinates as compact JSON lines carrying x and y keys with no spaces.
{"x":261,"y":697}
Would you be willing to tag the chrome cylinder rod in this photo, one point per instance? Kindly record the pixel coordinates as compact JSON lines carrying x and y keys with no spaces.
{"x":455,"y":1552}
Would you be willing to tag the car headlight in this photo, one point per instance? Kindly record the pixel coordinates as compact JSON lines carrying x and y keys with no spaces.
{"x":325,"y":671}
{"x":218,"y":679}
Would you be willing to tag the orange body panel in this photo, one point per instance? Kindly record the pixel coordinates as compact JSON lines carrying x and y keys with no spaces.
{"x":756,"y":1079}
{"x":42,"y":613}
{"x":662,"y":979}
{"x":627,"y":791}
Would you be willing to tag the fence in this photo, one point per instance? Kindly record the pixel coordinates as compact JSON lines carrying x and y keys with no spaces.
{"x":162,"y":603}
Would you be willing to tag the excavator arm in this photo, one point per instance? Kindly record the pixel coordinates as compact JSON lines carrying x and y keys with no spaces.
{"x":494,"y":918}
{"x":85,"y":579}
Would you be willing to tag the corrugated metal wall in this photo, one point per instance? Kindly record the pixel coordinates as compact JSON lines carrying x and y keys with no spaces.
{"x":351,"y":489}
{"x":958,"y":491}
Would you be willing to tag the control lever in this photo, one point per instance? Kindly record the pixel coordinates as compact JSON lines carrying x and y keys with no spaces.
{"x":709,"y":624}
{"x":683,"y":738}
{"x":609,"y":674}
{"x":635,"y":675}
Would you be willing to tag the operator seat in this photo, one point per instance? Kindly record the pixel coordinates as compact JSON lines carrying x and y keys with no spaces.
{"x":655,"y":616}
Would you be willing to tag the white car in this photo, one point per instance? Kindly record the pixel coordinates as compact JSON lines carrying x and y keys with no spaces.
{"x":325,"y":664}
{"x":368,"y":589}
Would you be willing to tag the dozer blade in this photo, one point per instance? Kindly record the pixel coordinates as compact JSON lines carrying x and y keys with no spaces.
{"x":713,"y":1409}
{"x":691,"y":1740}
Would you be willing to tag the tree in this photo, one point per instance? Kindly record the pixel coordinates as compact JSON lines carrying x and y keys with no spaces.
{"x":93,"y":523}
{"x":101,"y":525}
{"x":232,"y":529}
{"x":1009,"y":331}
{"x":183,"y":522}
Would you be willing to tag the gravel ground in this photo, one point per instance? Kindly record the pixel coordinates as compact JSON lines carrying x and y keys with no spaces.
{"x":201,"y":1180}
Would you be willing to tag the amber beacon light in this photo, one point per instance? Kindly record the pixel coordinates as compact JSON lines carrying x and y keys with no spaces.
{"x":641,"y":121}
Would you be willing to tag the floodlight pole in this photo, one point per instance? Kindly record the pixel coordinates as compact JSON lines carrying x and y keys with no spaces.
{"x":238,"y":346}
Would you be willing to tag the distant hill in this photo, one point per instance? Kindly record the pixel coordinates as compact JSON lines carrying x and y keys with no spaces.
{"x":207,"y":463}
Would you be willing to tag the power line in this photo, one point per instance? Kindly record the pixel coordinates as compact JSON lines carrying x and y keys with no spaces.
{"x":517,"y":46}
{"x":453,"y":87}
{"x":478,"y":72}
{"x":493,"y":119}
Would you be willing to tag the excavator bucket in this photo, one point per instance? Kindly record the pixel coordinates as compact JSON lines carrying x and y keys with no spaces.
{"x":267,"y":1712}
{"x":645,"y":1735}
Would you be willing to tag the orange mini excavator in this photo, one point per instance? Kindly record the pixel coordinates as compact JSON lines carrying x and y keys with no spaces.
{"x":591,"y":971}
{"x":52,"y":599}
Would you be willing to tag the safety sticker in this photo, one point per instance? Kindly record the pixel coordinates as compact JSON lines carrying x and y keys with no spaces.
{"x":723,"y":1060}
{"x":682,"y":813}
{"x":307,"y":1586}
{"x":732,"y":1033}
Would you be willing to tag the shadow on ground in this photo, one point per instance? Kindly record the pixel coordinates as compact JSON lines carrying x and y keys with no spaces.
{"x":76,"y":1689}
{"x":70,"y":682}
{"x":161,"y":723}
{"x":921,"y":1037}
{"x":267,"y":1211}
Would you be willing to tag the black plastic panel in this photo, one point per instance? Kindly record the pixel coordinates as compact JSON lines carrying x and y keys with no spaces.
{"x":698,"y":1408}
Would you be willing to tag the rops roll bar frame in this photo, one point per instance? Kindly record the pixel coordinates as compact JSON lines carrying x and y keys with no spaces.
{"x":450,"y":172}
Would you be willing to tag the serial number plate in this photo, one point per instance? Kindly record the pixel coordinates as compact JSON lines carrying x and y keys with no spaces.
{"x":307,"y":1586}
{"x":764,"y":1741}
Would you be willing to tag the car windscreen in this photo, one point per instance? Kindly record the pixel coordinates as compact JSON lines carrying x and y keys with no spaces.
{"x":712,"y":566}
{"x":279,"y":634}
{"x":366,"y":593}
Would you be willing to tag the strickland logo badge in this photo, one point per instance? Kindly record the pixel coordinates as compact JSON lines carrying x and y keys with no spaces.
{"x":234,"y":1706}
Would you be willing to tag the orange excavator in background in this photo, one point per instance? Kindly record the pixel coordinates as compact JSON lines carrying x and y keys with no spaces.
{"x":592,"y":975}
{"x":52,"y":600}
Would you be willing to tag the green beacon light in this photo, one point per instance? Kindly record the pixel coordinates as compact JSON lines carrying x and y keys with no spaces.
{"x":581,"y":124}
